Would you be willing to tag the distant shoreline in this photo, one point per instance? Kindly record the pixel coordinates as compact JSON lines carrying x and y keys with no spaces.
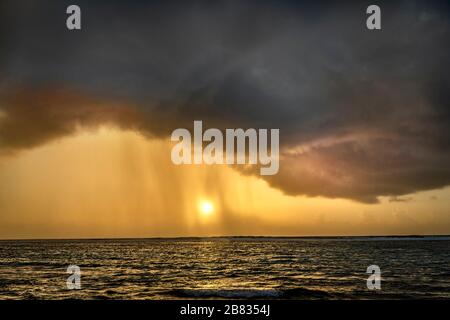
{"x":378,"y":237}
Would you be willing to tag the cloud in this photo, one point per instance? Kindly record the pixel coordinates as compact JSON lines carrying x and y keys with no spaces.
{"x":361,"y":113}
{"x":32,"y":117}
{"x":399,"y":199}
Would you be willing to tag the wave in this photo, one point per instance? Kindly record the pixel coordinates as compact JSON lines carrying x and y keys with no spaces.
{"x":225,"y":293}
{"x":249,"y":293}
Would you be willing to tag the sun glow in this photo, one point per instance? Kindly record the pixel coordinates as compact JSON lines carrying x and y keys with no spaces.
{"x":206,"y":208}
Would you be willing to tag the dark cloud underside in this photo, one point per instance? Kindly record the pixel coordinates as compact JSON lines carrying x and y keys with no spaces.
{"x":361,"y":113}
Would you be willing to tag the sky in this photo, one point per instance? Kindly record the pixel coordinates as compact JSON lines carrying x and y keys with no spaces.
{"x":86,"y":118}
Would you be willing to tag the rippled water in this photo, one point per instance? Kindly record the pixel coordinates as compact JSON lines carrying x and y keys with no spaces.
{"x":225,"y":268}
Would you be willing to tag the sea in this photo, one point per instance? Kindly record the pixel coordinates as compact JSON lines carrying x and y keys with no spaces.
{"x":227,"y":268}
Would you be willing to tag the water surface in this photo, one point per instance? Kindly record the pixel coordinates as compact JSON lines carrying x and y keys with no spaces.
{"x":215,"y":268}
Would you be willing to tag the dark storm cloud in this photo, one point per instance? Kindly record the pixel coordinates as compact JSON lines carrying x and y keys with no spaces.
{"x":399,"y":199}
{"x":362,"y":113}
{"x":33,"y":117}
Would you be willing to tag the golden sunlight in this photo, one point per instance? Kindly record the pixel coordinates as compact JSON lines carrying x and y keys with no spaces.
{"x":114,"y":183}
{"x":206,"y":208}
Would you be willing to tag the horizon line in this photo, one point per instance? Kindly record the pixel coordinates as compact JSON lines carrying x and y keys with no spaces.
{"x":231,"y":237}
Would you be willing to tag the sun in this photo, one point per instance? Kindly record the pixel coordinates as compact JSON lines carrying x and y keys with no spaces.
{"x":206,"y":208}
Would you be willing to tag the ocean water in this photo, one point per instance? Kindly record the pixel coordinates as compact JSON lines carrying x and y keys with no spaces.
{"x":220,"y":268}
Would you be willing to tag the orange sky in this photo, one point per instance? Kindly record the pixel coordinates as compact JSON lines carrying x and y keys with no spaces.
{"x":112,"y":183}
{"x":362,"y":114}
